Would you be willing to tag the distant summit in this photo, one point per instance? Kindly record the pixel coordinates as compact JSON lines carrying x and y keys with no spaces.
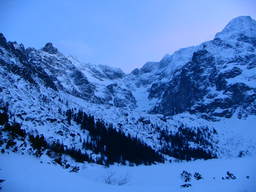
{"x":49,"y":48}
{"x":243,"y":25}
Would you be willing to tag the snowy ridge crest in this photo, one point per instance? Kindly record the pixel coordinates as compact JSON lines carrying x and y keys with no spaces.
{"x":243,"y":25}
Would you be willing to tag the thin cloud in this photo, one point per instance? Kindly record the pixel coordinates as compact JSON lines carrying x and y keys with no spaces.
{"x":76,"y":48}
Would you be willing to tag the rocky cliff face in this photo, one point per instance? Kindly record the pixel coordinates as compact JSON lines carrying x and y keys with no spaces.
{"x":52,"y":69}
{"x":217,"y":80}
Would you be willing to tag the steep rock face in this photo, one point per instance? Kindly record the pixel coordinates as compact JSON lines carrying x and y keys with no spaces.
{"x":106,"y":72}
{"x":218,"y":80}
{"x":14,"y":59}
{"x":49,"y":48}
{"x":51,"y":68}
{"x":187,"y":85}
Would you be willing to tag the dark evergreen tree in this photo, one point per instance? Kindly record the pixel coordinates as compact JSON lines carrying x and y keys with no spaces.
{"x":177,"y":144}
{"x":113,"y":144}
{"x":4,"y":118}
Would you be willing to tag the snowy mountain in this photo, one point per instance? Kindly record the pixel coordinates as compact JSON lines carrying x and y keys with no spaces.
{"x":215,"y":78}
{"x":197,"y":103}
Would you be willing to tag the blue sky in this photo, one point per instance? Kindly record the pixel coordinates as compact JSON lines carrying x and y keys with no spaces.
{"x":120,"y":33}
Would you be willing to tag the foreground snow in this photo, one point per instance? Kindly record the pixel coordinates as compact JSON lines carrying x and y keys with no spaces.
{"x":25,"y":173}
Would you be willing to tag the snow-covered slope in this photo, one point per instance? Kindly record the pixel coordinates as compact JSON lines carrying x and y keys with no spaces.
{"x":216,"y":78}
{"x":199,"y":102}
{"x":238,"y":26}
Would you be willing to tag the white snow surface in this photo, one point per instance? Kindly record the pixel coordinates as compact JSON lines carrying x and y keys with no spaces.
{"x":26,"y":174}
{"x":240,"y":25}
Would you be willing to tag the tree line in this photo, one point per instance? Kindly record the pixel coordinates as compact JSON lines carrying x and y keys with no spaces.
{"x":110,"y":145}
{"x":114,"y":145}
{"x":178,"y":144}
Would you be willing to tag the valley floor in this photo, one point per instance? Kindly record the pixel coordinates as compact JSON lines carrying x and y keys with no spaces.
{"x":26,"y":174}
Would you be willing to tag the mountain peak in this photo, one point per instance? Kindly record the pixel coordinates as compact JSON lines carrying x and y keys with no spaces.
{"x":49,"y":48}
{"x":2,"y":39}
{"x":240,"y":25}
